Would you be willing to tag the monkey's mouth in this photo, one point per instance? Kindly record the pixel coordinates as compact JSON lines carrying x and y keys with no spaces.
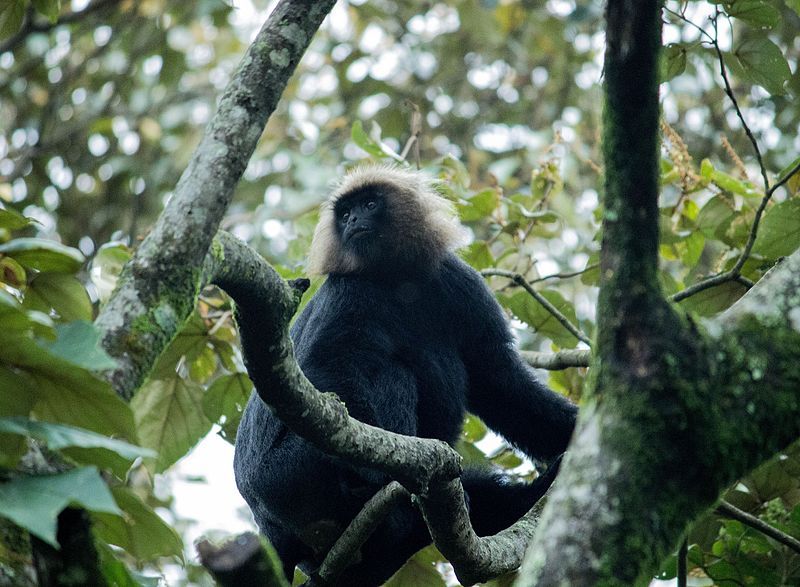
{"x":359,"y":232}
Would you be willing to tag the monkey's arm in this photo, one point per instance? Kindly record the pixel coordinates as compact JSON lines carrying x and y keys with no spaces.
{"x":503,"y":389}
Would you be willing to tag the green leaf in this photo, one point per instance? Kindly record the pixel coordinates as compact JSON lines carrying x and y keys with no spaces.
{"x":141,"y":533}
{"x":478,"y":255}
{"x":62,"y":293}
{"x":43,"y":255}
{"x":189,"y":342}
{"x":762,"y":63}
{"x":14,"y":321}
{"x":363,"y":140}
{"x":59,"y":436}
{"x":169,"y":418}
{"x":673,"y":61}
{"x":34,"y":503}
{"x":66,"y":393}
{"x":107,"y":266}
{"x":17,"y":397}
{"x":779,"y":230}
{"x":479,"y":206}
{"x":419,"y":570}
{"x":527,"y":309}
{"x":11,"y":219}
{"x":792,"y":185}
{"x":79,"y":344}
{"x":117,"y":574}
{"x":727,"y":182}
{"x":225,"y":400}
{"x":715,"y":299}
{"x":12,"y":12}
{"x":757,"y":13}
{"x":715,"y":217}
{"x":49,"y":8}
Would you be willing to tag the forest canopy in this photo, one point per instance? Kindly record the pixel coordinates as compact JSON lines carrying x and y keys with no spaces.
{"x":104,"y":104}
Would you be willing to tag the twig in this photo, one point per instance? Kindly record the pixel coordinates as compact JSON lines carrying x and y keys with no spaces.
{"x":566,"y":275}
{"x":728,"y":510}
{"x":342,"y":553}
{"x":683,"y":553}
{"x":520,"y":281}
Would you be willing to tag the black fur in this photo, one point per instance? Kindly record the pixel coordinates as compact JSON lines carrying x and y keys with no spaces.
{"x":409,"y":353}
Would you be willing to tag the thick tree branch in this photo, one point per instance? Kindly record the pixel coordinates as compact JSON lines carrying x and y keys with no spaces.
{"x":158,"y":288}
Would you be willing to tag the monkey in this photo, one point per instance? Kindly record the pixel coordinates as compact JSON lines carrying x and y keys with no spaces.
{"x":410,"y":338}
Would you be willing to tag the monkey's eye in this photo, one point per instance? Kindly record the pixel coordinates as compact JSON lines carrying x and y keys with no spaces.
{"x":371,"y":205}
{"x":345,"y":215}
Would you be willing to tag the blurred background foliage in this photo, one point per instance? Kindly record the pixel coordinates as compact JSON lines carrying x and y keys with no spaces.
{"x":103,"y":101}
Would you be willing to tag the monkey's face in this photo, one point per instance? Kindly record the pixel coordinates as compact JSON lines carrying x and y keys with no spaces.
{"x":361,"y":222}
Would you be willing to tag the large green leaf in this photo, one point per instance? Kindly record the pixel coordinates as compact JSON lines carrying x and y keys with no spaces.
{"x":225,"y":400}
{"x":79,"y":344}
{"x":12,"y":12}
{"x":66,"y":393}
{"x":757,"y":13}
{"x":715,"y":299}
{"x":760,"y":61}
{"x":62,"y":293}
{"x":43,"y":255}
{"x":58,"y":436}
{"x":169,"y":418}
{"x":35,"y":502}
{"x":141,"y":533}
{"x":779,"y":230}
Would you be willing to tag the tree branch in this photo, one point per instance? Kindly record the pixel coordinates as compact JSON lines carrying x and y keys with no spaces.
{"x":728,"y":510}
{"x":343,"y":552}
{"x":158,"y":288}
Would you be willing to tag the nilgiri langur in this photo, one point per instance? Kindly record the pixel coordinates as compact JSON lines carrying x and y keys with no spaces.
{"x":410,"y":338}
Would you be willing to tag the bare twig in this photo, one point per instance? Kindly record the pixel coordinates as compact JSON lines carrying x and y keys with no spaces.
{"x":728,"y":510}
{"x":522,"y":282}
{"x":565,"y":275}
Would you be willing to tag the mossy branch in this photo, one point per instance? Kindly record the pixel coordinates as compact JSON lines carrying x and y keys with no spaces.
{"x":159,"y":286}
